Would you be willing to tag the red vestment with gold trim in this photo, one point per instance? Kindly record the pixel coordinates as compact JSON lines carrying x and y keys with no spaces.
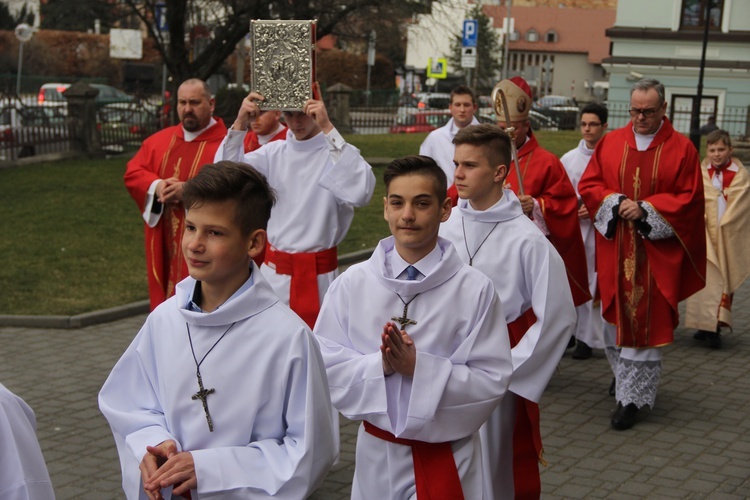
{"x":163,"y":155}
{"x":641,"y":281}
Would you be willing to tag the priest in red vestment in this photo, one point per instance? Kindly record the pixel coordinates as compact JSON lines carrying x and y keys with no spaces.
{"x":549,"y":198}
{"x":156,"y":174}
{"x":644,"y":190}
{"x":265,"y":128}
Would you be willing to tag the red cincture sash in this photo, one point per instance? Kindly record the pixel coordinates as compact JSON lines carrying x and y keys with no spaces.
{"x":435,"y":472}
{"x":527,"y":435}
{"x":304,"y":269}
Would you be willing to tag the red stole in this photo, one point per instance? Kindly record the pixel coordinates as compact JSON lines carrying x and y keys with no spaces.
{"x":252,"y":143}
{"x":727,"y":176}
{"x":435,"y":473}
{"x":642,"y":281}
{"x":163,"y":155}
{"x":545,"y":179}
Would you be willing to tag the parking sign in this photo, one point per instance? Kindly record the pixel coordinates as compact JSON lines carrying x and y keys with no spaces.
{"x":471,"y":32}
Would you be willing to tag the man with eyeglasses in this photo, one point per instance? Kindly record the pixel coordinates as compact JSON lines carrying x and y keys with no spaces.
{"x":319,"y":178}
{"x":644,"y":191}
{"x":588,"y":332}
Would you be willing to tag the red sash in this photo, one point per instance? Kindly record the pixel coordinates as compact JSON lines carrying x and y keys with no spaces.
{"x":304,"y":269}
{"x":527,"y":435}
{"x":435,"y":471}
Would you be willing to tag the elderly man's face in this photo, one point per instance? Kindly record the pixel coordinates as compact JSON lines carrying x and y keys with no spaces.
{"x":646,"y":111}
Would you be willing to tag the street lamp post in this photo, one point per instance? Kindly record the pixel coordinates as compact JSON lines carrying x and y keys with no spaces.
{"x":695,"y":131}
{"x":23,"y":32}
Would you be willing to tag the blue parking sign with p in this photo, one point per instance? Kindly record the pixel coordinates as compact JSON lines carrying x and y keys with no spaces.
{"x":471,"y":32}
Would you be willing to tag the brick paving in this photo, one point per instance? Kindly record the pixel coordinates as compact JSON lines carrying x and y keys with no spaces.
{"x":694,"y":444}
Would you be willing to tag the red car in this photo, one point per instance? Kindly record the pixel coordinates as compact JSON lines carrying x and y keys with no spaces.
{"x":419,"y":121}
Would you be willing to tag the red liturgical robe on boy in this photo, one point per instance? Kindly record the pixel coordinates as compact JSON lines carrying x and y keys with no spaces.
{"x":163,"y":155}
{"x":642,"y":276}
{"x":545,"y":180}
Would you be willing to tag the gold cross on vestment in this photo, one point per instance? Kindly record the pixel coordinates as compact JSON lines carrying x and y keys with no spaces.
{"x":202,"y":394}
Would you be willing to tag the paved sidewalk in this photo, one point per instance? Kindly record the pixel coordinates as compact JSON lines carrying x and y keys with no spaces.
{"x":694,"y":444}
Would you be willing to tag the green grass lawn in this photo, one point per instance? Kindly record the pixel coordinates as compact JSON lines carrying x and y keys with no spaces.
{"x":72,"y":239}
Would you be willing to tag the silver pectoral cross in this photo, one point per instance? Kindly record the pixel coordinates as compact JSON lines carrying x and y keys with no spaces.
{"x":202,"y":394}
{"x":404,"y":320}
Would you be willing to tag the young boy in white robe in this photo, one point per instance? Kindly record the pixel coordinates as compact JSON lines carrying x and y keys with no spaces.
{"x":319,"y":179}
{"x":490,"y":232}
{"x":415,"y":344}
{"x":223,"y":392}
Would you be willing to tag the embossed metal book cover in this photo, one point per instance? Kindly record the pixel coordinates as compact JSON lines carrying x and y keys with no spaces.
{"x":282,"y":65}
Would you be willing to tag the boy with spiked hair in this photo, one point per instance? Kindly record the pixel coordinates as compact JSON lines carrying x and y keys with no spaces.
{"x":490,"y":232}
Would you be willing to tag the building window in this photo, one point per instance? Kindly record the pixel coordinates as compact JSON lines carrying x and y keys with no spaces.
{"x":550,"y":37}
{"x":515,"y":36}
{"x":693,"y":14}
{"x":532,"y":36}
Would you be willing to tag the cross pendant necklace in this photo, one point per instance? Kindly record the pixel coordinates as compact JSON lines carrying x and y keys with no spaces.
{"x":466,"y":243}
{"x":203,"y":393}
{"x":404,"y":320}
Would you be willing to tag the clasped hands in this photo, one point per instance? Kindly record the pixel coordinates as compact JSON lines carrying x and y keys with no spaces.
{"x":163,"y":466}
{"x":169,"y":190}
{"x":630,"y":210}
{"x":398,"y":351}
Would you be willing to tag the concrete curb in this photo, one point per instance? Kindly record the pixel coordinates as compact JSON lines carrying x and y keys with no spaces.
{"x":124,"y":311}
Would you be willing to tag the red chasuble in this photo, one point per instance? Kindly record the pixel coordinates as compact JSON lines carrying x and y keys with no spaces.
{"x":641,"y":281}
{"x":163,"y":155}
{"x":545,"y":179}
{"x":251,"y":142}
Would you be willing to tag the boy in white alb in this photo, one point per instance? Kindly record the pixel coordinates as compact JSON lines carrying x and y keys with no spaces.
{"x":590,"y":325}
{"x":490,"y":232}
{"x":415,"y":344}
{"x":319,"y":178}
{"x":223,"y":392}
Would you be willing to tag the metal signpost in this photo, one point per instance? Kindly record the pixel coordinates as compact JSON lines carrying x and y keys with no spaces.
{"x":469,"y":47}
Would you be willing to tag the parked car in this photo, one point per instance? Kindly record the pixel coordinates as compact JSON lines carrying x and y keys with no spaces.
{"x":563,"y":110}
{"x":419,"y":121}
{"x":51,"y":94}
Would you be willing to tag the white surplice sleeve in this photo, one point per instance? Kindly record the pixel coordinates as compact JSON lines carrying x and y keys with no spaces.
{"x":451,"y":397}
{"x":536,"y":356}
{"x":349,"y":177}
{"x":232,"y":147}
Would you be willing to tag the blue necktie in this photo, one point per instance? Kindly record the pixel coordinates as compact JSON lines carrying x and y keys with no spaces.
{"x":411,"y":273}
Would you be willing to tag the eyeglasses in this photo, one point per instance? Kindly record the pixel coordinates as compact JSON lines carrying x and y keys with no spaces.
{"x":647,"y":113}
{"x":590,"y":124}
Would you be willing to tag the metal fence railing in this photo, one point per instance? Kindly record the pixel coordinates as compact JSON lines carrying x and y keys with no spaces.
{"x":28,"y":130}
{"x":735,"y":120}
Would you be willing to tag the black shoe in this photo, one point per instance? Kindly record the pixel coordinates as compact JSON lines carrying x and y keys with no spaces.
{"x":624,"y":417}
{"x":582,"y":350}
{"x":612,"y":386}
{"x":701,"y":334}
{"x":571,"y":343}
{"x":713,"y":340}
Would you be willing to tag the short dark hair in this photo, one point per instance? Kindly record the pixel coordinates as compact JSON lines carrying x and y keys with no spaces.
{"x":597,"y":109}
{"x":230,"y":180}
{"x":495,"y":140}
{"x":417,"y":165}
{"x":719,"y":135}
{"x":464,"y":90}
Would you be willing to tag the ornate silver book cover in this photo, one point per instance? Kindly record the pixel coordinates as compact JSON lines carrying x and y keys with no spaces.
{"x":282,"y":63}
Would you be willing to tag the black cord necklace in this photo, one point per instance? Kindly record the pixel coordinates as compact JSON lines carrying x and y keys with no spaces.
{"x":466,"y":243}
{"x":203,"y":393}
{"x":404,"y":320}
